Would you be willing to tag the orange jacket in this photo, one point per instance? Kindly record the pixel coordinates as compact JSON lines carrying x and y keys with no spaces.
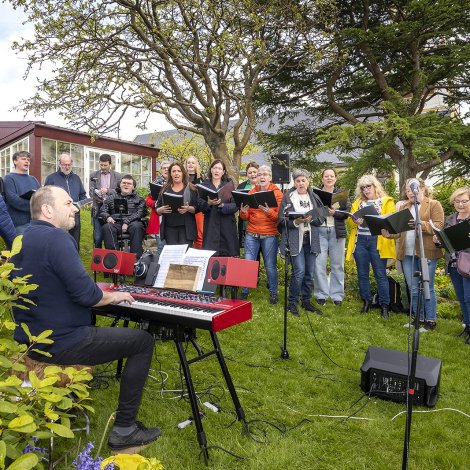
{"x":260,"y":222}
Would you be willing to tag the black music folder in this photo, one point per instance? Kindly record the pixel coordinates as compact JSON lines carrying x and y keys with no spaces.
{"x":328,"y":199}
{"x":205,"y":192}
{"x":175,"y":201}
{"x":395,"y":223}
{"x":155,"y":190}
{"x":28,"y":194}
{"x":254,"y":200}
{"x":454,"y":238}
{"x":366,"y":210}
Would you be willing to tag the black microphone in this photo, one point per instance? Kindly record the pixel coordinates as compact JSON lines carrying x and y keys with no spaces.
{"x":414,"y":186}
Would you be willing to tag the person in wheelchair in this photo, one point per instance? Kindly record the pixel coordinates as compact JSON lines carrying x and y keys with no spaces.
{"x":123,"y":213}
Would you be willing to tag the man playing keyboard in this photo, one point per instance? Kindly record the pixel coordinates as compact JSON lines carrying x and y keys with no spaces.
{"x":63,"y":304}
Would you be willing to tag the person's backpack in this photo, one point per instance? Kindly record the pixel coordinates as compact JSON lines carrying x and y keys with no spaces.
{"x":396,"y":305}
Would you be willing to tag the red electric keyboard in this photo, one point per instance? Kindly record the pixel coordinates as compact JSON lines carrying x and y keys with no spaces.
{"x":180,"y":309}
{"x":176,"y":307}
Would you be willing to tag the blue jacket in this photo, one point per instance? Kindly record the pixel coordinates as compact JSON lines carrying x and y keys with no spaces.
{"x":65,"y":291}
{"x":71,"y":183}
{"x":17,"y":184}
{"x":7,"y":229}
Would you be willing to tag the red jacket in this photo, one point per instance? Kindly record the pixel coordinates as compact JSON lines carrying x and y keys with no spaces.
{"x":153,"y":225}
{"x":260,"y":222}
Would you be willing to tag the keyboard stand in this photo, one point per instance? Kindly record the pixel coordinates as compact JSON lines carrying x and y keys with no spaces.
{"x":185,"y":363}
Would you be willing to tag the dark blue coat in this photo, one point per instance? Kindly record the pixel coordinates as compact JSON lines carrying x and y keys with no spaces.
{"x":71,"y":183}
{"x":7,"y":229}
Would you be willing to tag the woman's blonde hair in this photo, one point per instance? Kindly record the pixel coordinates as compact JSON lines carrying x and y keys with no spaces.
{"x":369,"y":179}
{"x":458,"y":192}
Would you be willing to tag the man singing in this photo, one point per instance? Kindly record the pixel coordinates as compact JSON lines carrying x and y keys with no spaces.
{"x":63,"y":304}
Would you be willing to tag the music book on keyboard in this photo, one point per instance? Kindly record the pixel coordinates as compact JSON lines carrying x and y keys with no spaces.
{"x":183,"y":277}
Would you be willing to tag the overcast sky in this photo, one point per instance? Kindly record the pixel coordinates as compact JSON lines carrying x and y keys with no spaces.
{"x":13,"y":87}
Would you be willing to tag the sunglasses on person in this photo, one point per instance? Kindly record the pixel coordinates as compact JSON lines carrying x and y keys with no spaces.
{"x":366,"y":186}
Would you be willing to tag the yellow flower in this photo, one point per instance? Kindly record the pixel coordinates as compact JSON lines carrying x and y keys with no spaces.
{"x":132,"y":462}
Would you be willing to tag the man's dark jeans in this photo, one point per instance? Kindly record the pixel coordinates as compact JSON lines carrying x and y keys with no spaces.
{"x":106,"y":344}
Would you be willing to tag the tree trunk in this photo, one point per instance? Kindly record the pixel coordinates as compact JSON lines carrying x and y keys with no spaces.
{"x":218,"y":147}
{"x":406,"y":169}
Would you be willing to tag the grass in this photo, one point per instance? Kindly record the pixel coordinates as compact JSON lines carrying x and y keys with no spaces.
{"x":295,"y":408}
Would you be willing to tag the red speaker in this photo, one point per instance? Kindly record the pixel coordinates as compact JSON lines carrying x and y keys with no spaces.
{"x":234,"y":272}
{"x":113,"y":261}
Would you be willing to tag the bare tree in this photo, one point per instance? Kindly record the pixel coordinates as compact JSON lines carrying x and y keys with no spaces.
{"x":197,"y":62}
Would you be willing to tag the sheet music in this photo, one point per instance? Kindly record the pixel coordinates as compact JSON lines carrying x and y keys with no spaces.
{"x":198,"y":258}
{"x":170,"y":254}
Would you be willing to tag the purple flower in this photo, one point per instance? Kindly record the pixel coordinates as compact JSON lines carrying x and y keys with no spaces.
{"x":85,"y":461}
{"x":33,"y":448}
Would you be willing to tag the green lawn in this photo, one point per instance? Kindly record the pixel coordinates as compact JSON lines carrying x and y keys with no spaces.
{"x":297,"y":409}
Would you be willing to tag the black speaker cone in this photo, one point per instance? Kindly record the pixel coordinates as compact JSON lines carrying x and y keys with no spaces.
{"x":215,"y":271}
{"x":110,"y":261}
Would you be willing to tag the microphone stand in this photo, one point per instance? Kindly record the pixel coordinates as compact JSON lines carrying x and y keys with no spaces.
{"x":284,"y":352}
{"x":423,"y":290}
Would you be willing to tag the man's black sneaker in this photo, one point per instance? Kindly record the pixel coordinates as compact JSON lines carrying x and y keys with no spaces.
{"x":134,"y":441}
{"x":273,"y":299}
{"x":338,"y":302}
{"x":310,"y":308}
{"x":293,"y":309}
{"x":321,"y":301}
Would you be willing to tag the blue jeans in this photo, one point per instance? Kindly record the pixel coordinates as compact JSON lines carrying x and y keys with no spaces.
{"x":97,"y":232}
{"x":303,"y":271}
{"x":105,"y":344}
{"x":462,"y":289}
{"x":334,"y":248}
{"x":366,"y":255}
{"x":268,"y":245}
{"x":409,"y":268}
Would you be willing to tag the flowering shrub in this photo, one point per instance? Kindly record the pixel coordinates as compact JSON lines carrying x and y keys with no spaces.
{"x":40,"y":409}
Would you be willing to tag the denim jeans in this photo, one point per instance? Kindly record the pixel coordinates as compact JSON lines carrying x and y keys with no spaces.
{"x":105,"y":344}
{"x":334,"y":248}
{"x":410,"y":265}
{"x":303,"y":271}
{"x":366,"y":255}
{"x":97,"y":232}
{"x":462,"y":290}
{"x":268,"y":246}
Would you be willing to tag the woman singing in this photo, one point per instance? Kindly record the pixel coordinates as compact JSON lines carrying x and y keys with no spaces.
{"x":304,"y":240}
{"x":220,"y":229}
{"x":178,"y":227}
{"x":332,"y":242}
{"x":261,"y":231}
{"x":460,"y":198}
{"x":371,"y":250}
{"x":408,"y":251}
{"x":194,"y":174}
{"x":252,"y":181}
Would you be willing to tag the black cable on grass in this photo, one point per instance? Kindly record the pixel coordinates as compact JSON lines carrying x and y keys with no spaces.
{"x":232,"y":454}
{"x":321,"y":348}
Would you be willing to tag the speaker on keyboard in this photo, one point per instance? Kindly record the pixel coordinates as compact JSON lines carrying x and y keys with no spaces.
{"x":234,"y":272}
{"x":113,"y":261}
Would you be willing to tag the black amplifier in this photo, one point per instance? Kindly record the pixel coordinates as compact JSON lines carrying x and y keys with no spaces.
{"x":384,"y":374}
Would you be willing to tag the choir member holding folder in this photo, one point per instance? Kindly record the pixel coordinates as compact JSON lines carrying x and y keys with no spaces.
{"x":431,"y":213}
{"x":216,"y":202}
{"x":252,"y":175}
{"x":178,"y":224}
{"x":302,"y":232}
{"x":460,"y":198}
{"x":261,"y":231}
{"x":367,"y":249}
{"x":332,"y":242}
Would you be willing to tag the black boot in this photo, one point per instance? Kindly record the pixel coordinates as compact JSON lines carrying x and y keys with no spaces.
{"x":465,"y":333}
{"x":365,"y":306}
{"x":384,"y":311}
{"x":467,"y":340}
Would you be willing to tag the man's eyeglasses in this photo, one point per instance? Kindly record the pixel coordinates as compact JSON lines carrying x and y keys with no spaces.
{"x":366,"y":186}
{"x":462,"y":202}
